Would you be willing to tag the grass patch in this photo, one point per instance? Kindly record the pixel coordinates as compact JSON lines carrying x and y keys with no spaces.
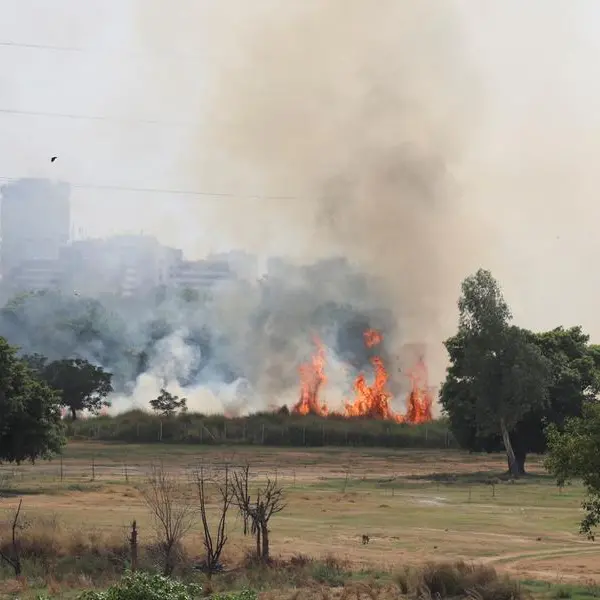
{"x":562,"y":591}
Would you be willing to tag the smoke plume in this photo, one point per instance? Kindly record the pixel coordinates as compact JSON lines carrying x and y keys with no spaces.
{"x":347,"y":122}
{"x":361,"y":111}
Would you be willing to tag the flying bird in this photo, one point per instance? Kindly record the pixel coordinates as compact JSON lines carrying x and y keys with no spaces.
{"x":53,"y":158}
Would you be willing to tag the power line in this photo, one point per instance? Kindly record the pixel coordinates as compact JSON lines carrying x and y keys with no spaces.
{"x":79,"y":117}
{"x":173,"y":191}
{"x":7,"y":44}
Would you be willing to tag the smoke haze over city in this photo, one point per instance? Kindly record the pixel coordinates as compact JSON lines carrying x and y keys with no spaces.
{"x":414,"y":140}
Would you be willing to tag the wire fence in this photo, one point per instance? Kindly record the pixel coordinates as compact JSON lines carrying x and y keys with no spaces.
{"x":290,"y":433}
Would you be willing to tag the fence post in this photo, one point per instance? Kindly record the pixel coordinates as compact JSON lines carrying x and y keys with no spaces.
{"x":126,"y":472}
{"x":134,"y":546}
{"x":93,"y":468}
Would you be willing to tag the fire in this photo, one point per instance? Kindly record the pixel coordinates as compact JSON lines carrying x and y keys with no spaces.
{"x":370,"y":400}
{"x":312,"y":377}
{"x":420,"y":398}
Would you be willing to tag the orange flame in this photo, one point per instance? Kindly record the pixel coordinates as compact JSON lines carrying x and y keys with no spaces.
{"x":420,"y":399}
{"x":312,"y":377}
{"x":370,"y":400}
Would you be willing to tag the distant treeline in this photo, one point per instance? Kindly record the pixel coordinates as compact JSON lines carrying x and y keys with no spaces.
{"x":269,"y":429}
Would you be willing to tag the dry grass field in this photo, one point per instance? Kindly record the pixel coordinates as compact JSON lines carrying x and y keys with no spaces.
{"x":416,"y":506}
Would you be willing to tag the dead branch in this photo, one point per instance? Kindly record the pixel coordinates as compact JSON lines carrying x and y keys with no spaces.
{"x":214,"y":547}
{"x":14,"y":559}
{"x":173,"y":515}
{"x":268,"y":502}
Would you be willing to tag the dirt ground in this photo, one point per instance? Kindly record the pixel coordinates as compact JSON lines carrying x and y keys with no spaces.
{"x":416,"y":506}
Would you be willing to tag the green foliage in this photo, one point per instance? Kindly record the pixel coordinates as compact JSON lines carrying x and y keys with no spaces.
{"x":167,"y":404}
{"x":30,"y":424}
{"x":497,"y":375}
{"x":143,"y":586}
{"x":81,"y":385}
{"x":574,"y":453}
{"x":269,"y":429}
{"x":573,"y":379}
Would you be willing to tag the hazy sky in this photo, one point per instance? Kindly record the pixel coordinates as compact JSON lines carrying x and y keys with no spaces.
{"x":530,"y":172}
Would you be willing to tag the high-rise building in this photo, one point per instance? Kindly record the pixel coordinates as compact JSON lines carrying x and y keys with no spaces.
{"x":125,"y":265}
{"x":34,"y":222}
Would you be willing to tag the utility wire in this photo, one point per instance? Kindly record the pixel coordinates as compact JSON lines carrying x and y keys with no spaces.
{"x":73,"y":116}
{"x":7,"y":44}
{"x":174,"y":191}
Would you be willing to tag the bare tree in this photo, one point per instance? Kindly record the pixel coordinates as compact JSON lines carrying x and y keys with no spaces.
{"x":214,"y":545}
{"x":174,"y":515}
{"x":13,"y":558}
{"x":257,"y":512}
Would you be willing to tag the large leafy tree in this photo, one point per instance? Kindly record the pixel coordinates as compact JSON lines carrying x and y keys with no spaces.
{"x":82,"y":385}
{"x":497,"y":374}
{"x":574,"y":453}
{"x":574,"y":379}
{"x":30,"y":424}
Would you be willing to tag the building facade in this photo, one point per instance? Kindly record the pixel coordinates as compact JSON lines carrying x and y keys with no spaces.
{"x":34,"y":223}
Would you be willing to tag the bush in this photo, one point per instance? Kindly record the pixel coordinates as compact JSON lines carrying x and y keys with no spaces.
{"x":142,"y":586}
{"x":458,"y":580}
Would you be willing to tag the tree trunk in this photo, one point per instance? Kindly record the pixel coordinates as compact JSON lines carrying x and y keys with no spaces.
{"x":520,"y":457}
{"x":258,"y":542}
{"x":74,"y":414}
{"x":169,"y":566}
{"x":513,"y":467}
{"x":265,"y":543}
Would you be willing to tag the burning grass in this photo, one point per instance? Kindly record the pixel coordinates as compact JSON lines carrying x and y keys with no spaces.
{"x":372,"y":401}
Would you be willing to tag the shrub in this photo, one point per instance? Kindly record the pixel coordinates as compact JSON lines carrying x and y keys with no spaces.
{"x":142,"y":586}
{"x":457,"y":580}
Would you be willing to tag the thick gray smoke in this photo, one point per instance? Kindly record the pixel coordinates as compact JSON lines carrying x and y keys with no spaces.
{"x":362,"y":110}
{"x":236,"y":349}
{"x":351,"y":117}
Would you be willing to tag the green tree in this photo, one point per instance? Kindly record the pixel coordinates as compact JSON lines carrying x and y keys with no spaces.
{"x":497,"y":375}
{"x":82,"y":385}
{"x":574,"y":453}
{"x":166,"y":404}
{"x":574,"y":379}
{"x":30,"y":423}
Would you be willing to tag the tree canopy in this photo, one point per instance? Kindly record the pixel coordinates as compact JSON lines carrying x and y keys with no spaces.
{"x":166,"y":404}
{"x":497,"y":374}
{"x":30,"y":423}
{"x":574,"y":453}
{"x":82,"y":385}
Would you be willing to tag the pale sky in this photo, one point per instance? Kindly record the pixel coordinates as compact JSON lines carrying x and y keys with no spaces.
{"x":531,"y":170}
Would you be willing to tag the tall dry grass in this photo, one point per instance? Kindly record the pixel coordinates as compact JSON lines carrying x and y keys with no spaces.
{"x":57,"y":558}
